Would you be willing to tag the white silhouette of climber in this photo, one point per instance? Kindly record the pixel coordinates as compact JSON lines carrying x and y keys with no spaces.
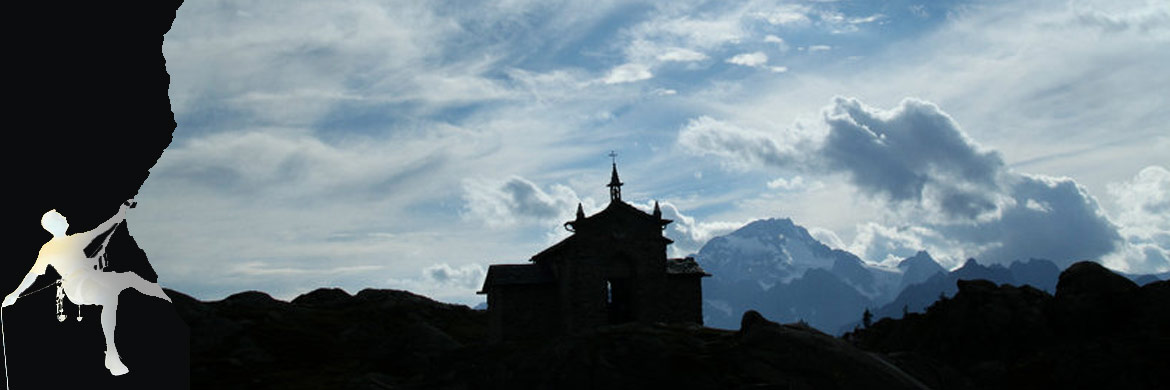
{"x":82,"y":280}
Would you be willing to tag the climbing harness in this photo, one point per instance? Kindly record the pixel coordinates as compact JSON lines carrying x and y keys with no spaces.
{"x":60,"y":303}
{"x":61,"y":316}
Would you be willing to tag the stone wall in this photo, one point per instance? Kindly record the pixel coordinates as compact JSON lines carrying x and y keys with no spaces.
{"x":684,"y":300}
{"x":520,"y":312}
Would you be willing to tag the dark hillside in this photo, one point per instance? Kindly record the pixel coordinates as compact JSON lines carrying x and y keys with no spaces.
{"x":1099,"y":330}
{"x":381,"y":339}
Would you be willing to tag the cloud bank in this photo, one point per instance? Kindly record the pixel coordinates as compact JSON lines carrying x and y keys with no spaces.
{"x":945,"y":192}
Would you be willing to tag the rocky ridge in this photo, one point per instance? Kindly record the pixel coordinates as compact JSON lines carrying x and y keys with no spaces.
{"x":1099,"y":330}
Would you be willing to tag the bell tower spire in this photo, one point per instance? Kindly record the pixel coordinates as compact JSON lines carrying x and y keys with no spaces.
{"x":615,"y":184}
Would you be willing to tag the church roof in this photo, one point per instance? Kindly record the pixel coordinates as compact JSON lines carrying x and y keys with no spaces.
{"x":620,"y":207}
{"x":617,"y":209}
{"x":515,"y":274}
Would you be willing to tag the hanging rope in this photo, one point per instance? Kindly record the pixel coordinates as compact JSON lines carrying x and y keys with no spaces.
{"x":42,"y":288}
{"x":4,"y":335}
{"x":4,"y":343}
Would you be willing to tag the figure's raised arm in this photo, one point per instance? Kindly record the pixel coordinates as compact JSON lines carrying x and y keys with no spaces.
{"x":108,"y":224}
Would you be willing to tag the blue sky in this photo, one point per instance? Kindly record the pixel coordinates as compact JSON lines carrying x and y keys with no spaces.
{"x":411,"y":144}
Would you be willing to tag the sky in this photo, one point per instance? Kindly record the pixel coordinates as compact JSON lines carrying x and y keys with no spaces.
{"x":409,"y":145}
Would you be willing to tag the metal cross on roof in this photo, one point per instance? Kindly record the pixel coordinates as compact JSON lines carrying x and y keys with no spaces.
{"x":613,"y":156}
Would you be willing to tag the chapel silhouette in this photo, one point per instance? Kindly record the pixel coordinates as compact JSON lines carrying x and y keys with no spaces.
{"x":612,"y":270}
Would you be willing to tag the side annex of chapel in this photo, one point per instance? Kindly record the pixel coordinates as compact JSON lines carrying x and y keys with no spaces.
{"x":613,"y":269}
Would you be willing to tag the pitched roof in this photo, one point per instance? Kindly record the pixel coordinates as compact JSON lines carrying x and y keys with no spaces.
{"x":515,"y":274}
{"x":615,"y":207}
{"x":568,"y":241}
{"x":621,"y":207}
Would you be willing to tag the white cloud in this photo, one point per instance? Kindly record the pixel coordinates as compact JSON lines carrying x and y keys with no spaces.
{"x":1145,"y":217}
{"x":688,"y":233}
{"x":781,"y":45}
{"x":681,"y":55}
{"x":692,"y":32}
{"x":628,"y":73}
{"x":839,"y":23}
{"x":1033,"y":205}
{"x":827,"y":237}
{"x":785,"y":15}
{"x":753,"y":59}
{"x":1145,"y":200}
{"x":287,"y":165}
{"x":467,"y":276}
{"x":445,"y":282}
{"x":816,"y":48}
{"x":786,"y":184}
{"x":794,"y":184}
{"x":1153,"y":19}
{"x":879,"y":243}
{"x":288,"y":64}
{"x":502,"y":204}
{"x":867,"y":19}
{"x":737,"y":146}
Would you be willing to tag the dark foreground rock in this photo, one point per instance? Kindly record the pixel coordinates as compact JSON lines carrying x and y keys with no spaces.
{"x":324,"y":339}
{"x":380,"y":339}
{"x":1100,"y":330}
{"x":764,"y":355}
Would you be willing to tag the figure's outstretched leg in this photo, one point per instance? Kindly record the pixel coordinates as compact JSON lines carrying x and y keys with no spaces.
{"x":145,"y":287}
{"x":103,"y":290}
{"x":109,"y":322}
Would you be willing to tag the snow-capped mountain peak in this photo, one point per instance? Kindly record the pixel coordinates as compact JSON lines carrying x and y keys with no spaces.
{"x":770,"y":250}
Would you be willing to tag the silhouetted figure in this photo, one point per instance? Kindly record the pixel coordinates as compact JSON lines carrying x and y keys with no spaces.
{"x":867,"y":318}
{"x":82,"y":280}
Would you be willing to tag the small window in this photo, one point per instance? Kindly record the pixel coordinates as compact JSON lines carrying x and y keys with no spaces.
{"x":608,"y":292}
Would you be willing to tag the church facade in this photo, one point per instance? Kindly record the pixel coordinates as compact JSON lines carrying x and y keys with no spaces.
{"x":613,"y":269}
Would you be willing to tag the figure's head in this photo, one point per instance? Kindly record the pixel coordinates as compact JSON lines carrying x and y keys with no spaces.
{"x":55,"y":223}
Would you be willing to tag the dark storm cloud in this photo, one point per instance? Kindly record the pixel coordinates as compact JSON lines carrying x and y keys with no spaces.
{"x":917,"y":154}
{"x":1065,"y":225}
{"x":913,"y":153}
{"x":917,"y":158}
